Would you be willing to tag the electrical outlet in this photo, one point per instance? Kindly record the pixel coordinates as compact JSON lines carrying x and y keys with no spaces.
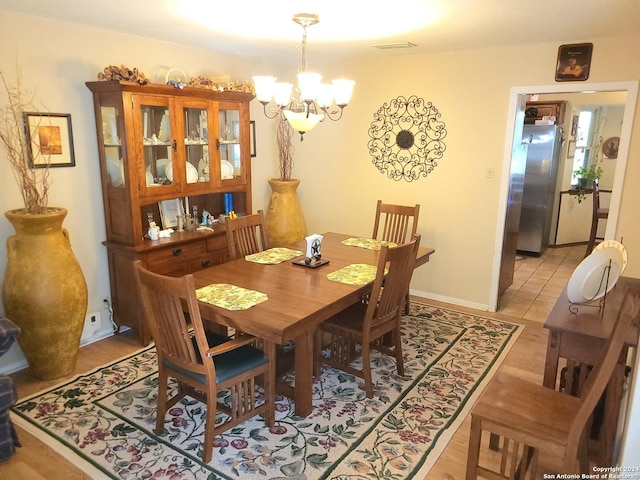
{"x":92,"y":324}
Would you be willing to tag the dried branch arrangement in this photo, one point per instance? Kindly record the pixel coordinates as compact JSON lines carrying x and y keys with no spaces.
{"x":33,"y":183}
{"x":284,"y":134}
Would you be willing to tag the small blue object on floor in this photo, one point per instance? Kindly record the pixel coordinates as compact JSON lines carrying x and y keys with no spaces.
{"x":8,"y":393}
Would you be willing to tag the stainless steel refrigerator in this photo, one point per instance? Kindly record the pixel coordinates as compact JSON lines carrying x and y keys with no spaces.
{"x":539,"y":187}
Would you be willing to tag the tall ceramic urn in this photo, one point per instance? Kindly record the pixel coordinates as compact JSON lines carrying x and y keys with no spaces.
{"x":44,"y":291}
{"x":284,"y":221}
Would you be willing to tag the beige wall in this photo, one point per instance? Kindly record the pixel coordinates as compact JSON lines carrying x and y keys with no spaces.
{"x":339,"y":184}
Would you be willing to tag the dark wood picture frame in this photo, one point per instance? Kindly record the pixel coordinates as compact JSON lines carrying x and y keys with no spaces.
{"x":252,"y":135}
{"x":574,"y":62}
{"x":49,"y":139}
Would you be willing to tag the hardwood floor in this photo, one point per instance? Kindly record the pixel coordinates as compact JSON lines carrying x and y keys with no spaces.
{"x":36,"y":461}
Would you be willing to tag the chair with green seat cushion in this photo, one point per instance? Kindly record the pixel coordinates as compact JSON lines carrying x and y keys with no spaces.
{"x":202,"y":362}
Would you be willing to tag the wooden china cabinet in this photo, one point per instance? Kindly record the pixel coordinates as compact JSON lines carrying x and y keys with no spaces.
{"x":163,"y":150}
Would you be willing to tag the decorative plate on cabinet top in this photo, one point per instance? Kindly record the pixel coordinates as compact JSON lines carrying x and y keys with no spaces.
{"x":593,"y":278}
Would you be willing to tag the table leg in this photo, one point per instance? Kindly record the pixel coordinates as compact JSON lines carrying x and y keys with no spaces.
{"x":551,"y":362}
{"x":304,"y":373}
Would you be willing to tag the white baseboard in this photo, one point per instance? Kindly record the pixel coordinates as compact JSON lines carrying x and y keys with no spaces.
{"x":18,"y":362}
{"x":454,"y":301}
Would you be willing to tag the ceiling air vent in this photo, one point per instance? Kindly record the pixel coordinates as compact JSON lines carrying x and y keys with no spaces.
{"x":389,"y":46}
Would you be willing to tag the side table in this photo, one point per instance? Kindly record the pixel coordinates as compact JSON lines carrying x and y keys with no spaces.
{"x":579,"y":338}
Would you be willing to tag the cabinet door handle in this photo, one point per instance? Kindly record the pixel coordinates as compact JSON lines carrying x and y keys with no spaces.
{"x":177,"y":252}
{"x":206,"y":264}
{"x":217,"y":144}
{"x":175,"y":145}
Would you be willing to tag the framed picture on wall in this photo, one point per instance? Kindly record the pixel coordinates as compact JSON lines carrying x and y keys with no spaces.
{"x":252,"y":135}
{"x":573,"y":62}
{"x":49,"y":139}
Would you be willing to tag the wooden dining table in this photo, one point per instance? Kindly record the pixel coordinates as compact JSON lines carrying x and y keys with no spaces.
{"x":299,"y":299}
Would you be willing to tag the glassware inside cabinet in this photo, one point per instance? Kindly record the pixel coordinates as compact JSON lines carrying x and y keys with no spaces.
{"x":196,"y":142}
{"x":156,"y":141}
{"x":230,"y":159}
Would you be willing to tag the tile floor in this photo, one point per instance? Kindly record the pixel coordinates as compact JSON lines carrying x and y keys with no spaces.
{"x":538,"y":281}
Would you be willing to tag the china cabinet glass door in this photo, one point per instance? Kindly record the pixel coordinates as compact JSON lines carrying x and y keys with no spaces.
{"x":230,"y":144}
{"x":158,"y":143}
{"x":114,"y":153}
{"x":199,"y":125}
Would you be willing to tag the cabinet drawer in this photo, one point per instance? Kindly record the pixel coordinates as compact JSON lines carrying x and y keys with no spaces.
{"x":217,"y":242}
{"x":200,"y":263}
{"x":175,"y":258}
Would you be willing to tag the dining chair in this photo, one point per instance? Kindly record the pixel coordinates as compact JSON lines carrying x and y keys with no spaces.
{"x":531,"y":418}
{"x":245,"y":235}
{"x":395,"y":223}
{"x":368,"y":322}
{"x":598,"y":213}
{"x":203,"y":363}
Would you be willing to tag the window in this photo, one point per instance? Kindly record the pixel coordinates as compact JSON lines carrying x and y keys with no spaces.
{"x":583,"y":135}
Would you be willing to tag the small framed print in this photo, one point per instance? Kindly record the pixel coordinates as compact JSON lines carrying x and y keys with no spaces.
{"x":169,"y":211}
{"x":49,"y":139}
{"x":571,"y":150}
{"x":573,"y":62}
{"x":252,"y":134}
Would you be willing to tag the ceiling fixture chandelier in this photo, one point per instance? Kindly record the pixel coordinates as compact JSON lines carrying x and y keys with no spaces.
{"x":311,"y":101}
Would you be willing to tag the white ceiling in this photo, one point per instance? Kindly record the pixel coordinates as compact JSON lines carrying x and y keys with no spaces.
{"x":347,"y":28}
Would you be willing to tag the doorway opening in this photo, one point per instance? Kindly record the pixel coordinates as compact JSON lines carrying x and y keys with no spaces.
{"x":514,"y":156}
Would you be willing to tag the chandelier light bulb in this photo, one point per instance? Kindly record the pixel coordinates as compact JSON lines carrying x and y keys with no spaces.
{"x":282,"y":93}
{"x":342,"y":90}
{"x":264,"y":88}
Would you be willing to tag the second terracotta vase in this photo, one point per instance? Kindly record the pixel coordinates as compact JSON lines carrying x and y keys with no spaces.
{"x":284,"y":221}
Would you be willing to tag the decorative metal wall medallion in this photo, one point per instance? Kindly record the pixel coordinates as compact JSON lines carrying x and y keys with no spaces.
{"x":406,"y":138}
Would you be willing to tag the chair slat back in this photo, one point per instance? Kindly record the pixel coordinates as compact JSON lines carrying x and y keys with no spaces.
{"x":245,"y":235}
{"x":391,"y":289}
{"x":628,"y":316}
{"x":395,"y":223}
{"x":163,"y":301}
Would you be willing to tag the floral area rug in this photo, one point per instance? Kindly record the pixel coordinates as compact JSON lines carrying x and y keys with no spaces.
{"x":103,"y":421}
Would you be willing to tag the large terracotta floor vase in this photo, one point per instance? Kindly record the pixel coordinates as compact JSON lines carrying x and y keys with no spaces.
{"x":44,"y":291}
{"x":284,"y":221}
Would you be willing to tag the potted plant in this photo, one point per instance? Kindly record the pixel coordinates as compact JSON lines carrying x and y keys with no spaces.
{"x":284,"y":220}
{"x":585,"y":177}
{"x":44,"y":291}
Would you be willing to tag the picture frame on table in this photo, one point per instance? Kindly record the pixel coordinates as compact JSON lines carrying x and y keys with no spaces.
{"x":49,"y":139}
{"x":574,"y":62}
{"x":169,"y":211}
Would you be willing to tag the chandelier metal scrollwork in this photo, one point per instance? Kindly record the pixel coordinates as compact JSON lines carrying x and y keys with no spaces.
{"x":406,"y":138}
